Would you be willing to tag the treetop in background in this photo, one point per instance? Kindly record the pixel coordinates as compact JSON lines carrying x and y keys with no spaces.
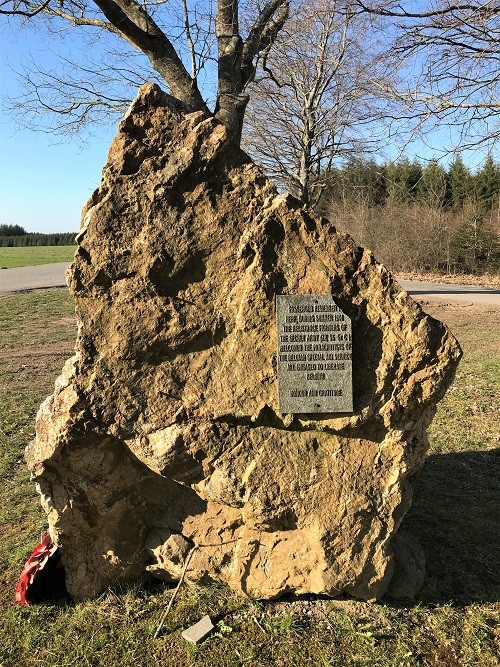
{"x":12,"y":230}
{"x":408,"y":181}
{"x":449,"y":51}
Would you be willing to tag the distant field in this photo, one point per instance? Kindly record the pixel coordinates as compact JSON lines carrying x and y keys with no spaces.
{"x":11,"y":258}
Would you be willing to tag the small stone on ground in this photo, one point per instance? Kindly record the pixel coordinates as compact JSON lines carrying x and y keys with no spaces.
{"x":199,"y":631}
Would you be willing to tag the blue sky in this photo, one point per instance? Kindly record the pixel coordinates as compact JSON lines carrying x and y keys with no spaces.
{"x":46,"y":179}
{"x":43,"y":183}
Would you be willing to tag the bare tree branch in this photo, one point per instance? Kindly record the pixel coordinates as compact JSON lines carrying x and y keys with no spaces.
{"x":189,"y":38}
{"x":264,"y":31}
{"x":20,"y":12}
{"x":138,"y":28}
{"x":451,"y":54}
{"x":445,"y":11}
{"x":185,"y":31}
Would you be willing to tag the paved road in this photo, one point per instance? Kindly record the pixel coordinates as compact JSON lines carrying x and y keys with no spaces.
{"x":52,"y":275}
{"x":32,"y":277}
{"x":463,"y":293}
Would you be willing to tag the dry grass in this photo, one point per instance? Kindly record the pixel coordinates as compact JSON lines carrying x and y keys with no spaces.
{"x":485,"y":280}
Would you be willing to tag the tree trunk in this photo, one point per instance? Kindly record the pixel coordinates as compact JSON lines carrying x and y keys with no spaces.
{"x":231,"y":113}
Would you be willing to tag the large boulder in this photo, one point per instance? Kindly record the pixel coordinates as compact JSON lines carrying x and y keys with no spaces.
{"x":163,"y":439}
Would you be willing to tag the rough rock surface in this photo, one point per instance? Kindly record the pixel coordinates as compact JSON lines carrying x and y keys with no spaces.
{"x":164,"y":433}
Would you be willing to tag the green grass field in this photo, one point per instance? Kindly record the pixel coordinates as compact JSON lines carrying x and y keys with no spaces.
{"x":455,"y":515}
{"x":11,"y":258}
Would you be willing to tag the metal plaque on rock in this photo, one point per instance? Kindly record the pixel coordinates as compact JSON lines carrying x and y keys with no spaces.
{"x":314,"y":354}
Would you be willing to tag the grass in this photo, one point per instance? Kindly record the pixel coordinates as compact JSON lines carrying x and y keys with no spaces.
{"x":455,"y":514}
{"x":11,"y":258}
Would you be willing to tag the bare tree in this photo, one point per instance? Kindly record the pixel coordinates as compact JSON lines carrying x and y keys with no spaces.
{"x":452,"y":57}
{"x":168,"y":34}
{"x":319,"y":98}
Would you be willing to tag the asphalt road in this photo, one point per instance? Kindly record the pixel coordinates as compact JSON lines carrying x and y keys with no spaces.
{"x":462,"y":293}
{"x":32,"y":277}
{"x":52,"y":275}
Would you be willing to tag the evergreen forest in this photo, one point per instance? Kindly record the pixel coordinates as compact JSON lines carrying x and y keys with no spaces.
{"x":15,"y":236}
{"x":420,"y":217}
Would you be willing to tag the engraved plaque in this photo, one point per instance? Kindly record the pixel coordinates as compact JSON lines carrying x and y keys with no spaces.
{"x":314,"y":354}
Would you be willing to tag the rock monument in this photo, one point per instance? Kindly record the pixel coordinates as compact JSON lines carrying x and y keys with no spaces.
{"x":164,"y":439}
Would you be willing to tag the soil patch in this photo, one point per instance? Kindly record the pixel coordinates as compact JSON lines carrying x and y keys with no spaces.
{"x":36,"y":357}
{"x":486,"y":280}
{"x":455,"y":312}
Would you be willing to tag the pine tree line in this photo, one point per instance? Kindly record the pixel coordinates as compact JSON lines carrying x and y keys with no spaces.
{"x":15,"y":236}
{"x":420,"y":217}
{"x":409,"y":181}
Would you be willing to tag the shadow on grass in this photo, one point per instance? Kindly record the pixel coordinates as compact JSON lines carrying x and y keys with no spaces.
{"x":456,"y":518}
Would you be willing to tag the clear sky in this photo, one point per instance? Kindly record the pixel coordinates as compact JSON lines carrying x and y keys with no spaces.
{"x":43,"y":183}
{"x":46,"y":179}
